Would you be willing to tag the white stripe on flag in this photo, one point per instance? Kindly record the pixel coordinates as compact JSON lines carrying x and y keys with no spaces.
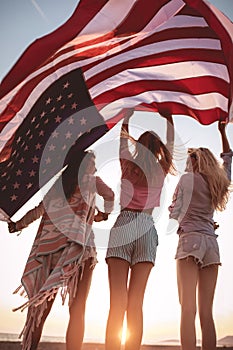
{"x":200,"y":102}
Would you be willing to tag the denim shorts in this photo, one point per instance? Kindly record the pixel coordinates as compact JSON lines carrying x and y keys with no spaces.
{"x":203,"y":247}
{"x":133,"y":238}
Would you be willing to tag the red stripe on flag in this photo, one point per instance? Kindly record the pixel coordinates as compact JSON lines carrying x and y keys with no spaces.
{"x":200,"y":85}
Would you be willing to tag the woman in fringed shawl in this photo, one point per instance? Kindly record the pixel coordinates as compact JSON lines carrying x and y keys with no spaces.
{"x":63,"y":254}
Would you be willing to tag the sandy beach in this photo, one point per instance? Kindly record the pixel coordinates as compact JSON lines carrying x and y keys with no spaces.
{"x":8,"y":345}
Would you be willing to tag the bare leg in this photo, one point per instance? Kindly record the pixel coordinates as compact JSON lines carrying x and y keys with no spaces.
{"x":76,"y":325}
{"x":36,"y":335}
{"x":206,"y":289}
{"x":187,"y":277}
{"x":118,"y":276}
{"x":137,"y":285}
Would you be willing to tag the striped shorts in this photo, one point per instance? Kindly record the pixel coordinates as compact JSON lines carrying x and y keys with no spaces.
{"x":133,"y":238}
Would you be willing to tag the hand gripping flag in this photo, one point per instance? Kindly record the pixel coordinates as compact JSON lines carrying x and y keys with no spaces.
{"x":73,"y":84}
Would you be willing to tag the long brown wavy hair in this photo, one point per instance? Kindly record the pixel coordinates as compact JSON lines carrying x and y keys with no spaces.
{"x":206,"y":164}
{"x":150,"y":156}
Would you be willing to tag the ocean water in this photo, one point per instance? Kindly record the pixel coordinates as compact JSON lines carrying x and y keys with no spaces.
{"x":15,"y":337}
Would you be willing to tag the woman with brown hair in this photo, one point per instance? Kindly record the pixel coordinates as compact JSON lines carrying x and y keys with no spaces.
{"x":202,"y":190}
{"x":63,"y":254}
{"x":133,"y":239}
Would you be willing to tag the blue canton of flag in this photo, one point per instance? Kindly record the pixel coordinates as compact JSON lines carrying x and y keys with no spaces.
{"x":62,"y":114}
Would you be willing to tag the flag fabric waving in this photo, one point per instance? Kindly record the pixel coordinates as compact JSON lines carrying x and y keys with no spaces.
{"x":44,"y":140}
{"x":167,"y":55}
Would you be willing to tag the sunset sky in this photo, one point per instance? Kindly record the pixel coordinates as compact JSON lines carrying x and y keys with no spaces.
{"x":21,"y":22}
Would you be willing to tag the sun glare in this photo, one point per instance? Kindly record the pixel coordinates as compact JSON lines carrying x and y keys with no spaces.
{"x":124,"y":334}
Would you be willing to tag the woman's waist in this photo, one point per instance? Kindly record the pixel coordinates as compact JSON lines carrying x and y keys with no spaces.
{"x":139,"y":204}
{"x":206,"y":226}
{"x":142,"y":210}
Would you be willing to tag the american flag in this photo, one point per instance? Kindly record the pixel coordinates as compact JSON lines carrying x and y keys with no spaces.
{"x":62,"y":114}
{"x":167,"y":55}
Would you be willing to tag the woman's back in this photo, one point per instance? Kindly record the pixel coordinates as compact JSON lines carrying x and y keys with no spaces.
{"x":193,"y":208}
{"x":140,"y":189}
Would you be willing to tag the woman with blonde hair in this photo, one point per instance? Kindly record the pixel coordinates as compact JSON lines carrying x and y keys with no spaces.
{"x":202,"y":190}
{"x":133,"y":238}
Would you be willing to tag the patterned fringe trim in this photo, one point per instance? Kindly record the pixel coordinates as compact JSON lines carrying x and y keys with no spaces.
{"x":34,"y":316}
{"x":38,"y":304}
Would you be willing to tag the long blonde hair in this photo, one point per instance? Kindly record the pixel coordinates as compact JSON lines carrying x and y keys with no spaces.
{"x":215,"y":175}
